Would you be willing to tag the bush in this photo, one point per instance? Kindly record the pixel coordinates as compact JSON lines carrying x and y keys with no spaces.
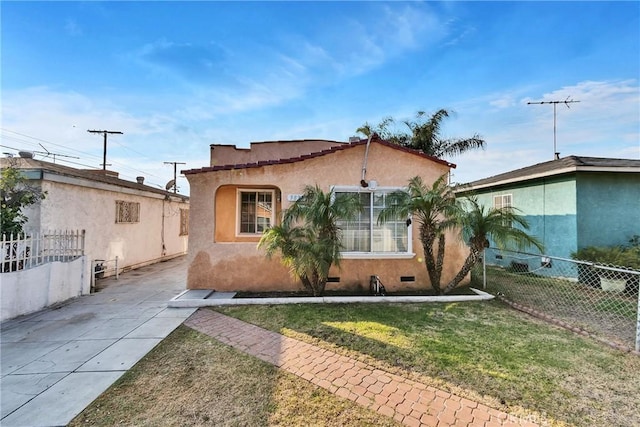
{"x":625,"y":257}
{"x":619,"y":256}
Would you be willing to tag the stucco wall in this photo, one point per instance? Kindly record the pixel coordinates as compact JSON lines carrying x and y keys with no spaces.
{"x":608,"y":207}
{"x":230,"y":155}
{"x":27,"y":291}
{"x":69,"y":206}
{"x":237,"y":266}
{"x":578,"y":210}
{"x":549,"y":206}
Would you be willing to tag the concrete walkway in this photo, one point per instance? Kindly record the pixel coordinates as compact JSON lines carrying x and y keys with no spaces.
{"x":409,"y":402}
{"x":57,"y":361}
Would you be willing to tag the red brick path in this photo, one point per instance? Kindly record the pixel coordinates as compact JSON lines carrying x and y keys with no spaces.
{"x":410,"y":402}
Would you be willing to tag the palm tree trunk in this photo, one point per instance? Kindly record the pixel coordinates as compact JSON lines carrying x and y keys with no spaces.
{"x":427,"y":239}
{"x":472,"y":259}
{"x":307,"y":284}
{"x":440,"y":259}
{"x":317,"y":285}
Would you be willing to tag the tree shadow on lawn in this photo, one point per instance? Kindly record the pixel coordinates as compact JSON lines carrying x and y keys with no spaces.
{"x":192,"y":379}
{"x":485,"y":351}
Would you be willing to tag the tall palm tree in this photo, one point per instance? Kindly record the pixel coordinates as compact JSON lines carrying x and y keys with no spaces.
{"x":479,"y":224}
{"x":309,"y":238}
{"x":436,"y":210}
{"x":424,"y":135}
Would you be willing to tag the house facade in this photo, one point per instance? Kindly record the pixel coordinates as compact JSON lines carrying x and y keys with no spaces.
{"x":570,"y":203}
{"x":236,"y":198}
{"x":137,"y":223}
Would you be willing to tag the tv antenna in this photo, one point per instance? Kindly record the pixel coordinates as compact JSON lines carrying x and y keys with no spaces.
{"x":173,"y":182}
{"x":47,"y":153}
{"x":566,"y":102}
{"x":105,"y":133}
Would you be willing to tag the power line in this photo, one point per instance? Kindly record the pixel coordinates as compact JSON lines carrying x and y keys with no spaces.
{"x":43,"y":140}
{"x":47,"y":153}
{"x":567,"y":101}
{"x":22,"y":138}
{"x":104,"y":152}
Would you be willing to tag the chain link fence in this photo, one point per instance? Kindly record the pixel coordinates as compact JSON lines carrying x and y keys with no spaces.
{"x":600,"y":299}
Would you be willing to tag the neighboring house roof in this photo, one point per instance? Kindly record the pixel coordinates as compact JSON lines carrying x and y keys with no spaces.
{"x":94,"y":175}
{"x":334,"y":149}
{"x":565,"y":165}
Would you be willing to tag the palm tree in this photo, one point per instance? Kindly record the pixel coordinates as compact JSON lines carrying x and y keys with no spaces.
{"x":480,"y":224}
{"x":309,"y":238}
{"x":436,"y":210}
{"x":424,"y":135}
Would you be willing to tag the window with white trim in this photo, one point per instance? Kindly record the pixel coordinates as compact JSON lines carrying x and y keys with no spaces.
{"x":127,"y":212}
{"x":502,"y":201}
{"x":256,"y":210}
{"x":363,"y":234}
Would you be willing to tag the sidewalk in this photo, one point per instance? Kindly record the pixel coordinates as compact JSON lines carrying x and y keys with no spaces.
{"x":58,"y":360}
{"x":409,"y":402}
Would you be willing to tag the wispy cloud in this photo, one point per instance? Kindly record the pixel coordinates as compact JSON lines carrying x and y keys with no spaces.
{"x":229,"y":80}
{"x":72,"y":28}
{"x":189,"y":62}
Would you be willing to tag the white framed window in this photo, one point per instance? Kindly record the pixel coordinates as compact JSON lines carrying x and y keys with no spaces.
{"x":256,"y":211}
{"x":502,"y":201}
{"x":363,"y":237}
{"x":127,"y":212}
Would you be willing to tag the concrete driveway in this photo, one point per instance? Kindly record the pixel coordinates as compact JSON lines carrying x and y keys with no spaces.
{"x":57,"y":361}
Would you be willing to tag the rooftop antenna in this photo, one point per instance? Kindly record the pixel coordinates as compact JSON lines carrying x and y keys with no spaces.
{"x":175,"y":186}
{"x":105,"y":133}
{"x":566,"y":102}
{"x":47,"y":153}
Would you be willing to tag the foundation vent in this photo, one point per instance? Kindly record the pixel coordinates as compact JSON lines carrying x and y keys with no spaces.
{"x":333,"y":280}
{"x":407,"y":278}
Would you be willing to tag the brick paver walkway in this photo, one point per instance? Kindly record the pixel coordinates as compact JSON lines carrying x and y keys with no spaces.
{"x":410,"y":402}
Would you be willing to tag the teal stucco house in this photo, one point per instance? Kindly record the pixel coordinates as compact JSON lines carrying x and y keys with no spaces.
{"x":571,"y":202}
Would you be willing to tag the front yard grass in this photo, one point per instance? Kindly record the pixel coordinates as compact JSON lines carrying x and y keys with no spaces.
{"x":190,"y":379}
{"x":485,"y":351}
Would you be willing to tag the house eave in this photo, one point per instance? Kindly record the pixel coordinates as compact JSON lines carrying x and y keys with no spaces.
{"x":557,"y":172}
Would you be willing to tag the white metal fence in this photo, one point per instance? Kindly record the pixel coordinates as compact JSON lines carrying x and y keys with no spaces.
{"x":31,"y":249}
{"x":602,"y":300}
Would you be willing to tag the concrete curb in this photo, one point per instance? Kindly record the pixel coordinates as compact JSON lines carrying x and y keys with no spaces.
{"x":183,"y":300}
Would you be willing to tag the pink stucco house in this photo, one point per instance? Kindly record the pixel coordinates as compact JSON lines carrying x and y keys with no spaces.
{"x":243,"y":192}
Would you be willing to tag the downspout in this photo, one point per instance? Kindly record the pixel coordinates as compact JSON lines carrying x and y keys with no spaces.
{"x":164,"y":249}
{"x":363,"y":182}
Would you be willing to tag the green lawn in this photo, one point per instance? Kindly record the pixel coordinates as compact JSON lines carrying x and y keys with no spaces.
{"x":485,"y":351}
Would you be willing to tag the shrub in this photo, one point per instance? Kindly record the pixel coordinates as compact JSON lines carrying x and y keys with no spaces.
{"x":619,"y":256}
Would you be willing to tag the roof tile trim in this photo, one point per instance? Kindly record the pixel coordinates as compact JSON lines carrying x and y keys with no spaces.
{"x":331,"y":150}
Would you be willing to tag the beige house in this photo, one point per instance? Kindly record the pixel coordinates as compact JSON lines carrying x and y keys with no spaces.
{"x":135,"y":222}
{"x":243,"y":192}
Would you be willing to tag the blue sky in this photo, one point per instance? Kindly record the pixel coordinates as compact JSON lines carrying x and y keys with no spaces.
{"x":178,"y":76}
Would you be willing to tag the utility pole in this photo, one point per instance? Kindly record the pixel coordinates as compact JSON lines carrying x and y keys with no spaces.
{"x":175,"y":183}
{"x":104,"y":152}
{"x":566,"y":102}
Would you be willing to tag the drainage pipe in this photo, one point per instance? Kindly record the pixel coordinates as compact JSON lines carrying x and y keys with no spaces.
{"x":363,"y":182}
